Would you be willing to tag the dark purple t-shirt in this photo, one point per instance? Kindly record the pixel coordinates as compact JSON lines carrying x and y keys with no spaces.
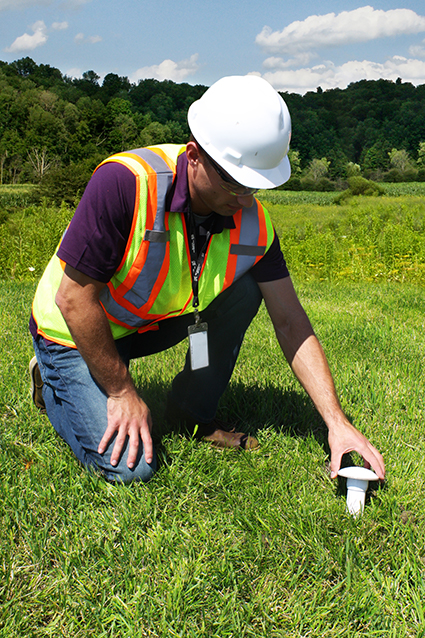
{"x":97,"y":236}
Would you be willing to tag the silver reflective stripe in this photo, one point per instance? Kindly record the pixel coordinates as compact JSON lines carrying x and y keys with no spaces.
{"x":161,"y":169}
{"x":248,"y":239}
{"x":160,"y":236}
{"x":250,"y":251}
{"x":120,"y":313}
{"x":142,"y":288}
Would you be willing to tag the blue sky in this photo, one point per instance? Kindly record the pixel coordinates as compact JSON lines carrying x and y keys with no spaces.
{"x":297,"y":46}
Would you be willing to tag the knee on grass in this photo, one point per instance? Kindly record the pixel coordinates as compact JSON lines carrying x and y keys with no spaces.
{"x":142,"y":472}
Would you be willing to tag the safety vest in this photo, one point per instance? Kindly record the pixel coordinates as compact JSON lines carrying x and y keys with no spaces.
{"x":153,"y":281}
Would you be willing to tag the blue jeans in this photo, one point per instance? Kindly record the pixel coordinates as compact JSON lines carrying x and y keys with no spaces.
{"x":76,"y":403}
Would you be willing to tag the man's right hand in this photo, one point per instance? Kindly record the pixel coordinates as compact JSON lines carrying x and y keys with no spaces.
{"x":128,"y":415}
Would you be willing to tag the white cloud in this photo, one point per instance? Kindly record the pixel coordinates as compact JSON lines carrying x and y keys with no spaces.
{"x":59,"y":26}
{"x":74,"y":73}
{"x":28,"y":42}
{"x":280,"y":63}
{"x":168,"y":70}
{"x":92,"y":39}
{"x":417,"y":51}
{"x":329,"y":76}
{"x":360,"y":25}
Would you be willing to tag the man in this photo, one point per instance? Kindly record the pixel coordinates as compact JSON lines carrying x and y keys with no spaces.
{"x":165,"y":241}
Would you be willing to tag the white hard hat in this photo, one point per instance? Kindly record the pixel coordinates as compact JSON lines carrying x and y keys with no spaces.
{"x":245,"y":126}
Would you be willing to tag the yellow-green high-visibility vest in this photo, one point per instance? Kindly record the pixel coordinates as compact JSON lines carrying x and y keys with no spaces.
{"x":153,"y":281}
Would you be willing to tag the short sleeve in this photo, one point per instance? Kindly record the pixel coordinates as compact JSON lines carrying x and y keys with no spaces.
{"x":96,"y":238}
{"x":272,"y":266}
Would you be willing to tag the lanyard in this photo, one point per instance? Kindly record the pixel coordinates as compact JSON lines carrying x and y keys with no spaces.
{"x":196,"y":261}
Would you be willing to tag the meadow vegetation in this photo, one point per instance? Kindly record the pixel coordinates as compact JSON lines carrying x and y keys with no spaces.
{"x":224,"y":544}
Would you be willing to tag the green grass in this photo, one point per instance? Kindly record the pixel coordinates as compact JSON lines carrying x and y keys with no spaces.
{"x":366,"y":238}
{"x":377,"y":239}
{"x":220,"y":543}
{"x":28,"y":238}
{"x":14,"y":195}
{"x":226,"y":544}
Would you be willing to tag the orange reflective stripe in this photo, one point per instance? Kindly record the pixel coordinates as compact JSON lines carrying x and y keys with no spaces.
{"x":186,"y":244}
{"x":61,"y":342}
{"x":165,"y":157}
{"x":232,"y":260}
{"x":162,"y":274}
{"x":118,"y":160}
{"x":262,"y":235}
{"x":139,"y":262}
{"x":133,"y":223}
{"x":118,"y":322}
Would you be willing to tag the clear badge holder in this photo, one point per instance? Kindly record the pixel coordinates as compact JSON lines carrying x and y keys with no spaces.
{"x":198,"y":345}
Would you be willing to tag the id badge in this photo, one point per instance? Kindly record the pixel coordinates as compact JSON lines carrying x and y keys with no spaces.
{"x":198,"y":346}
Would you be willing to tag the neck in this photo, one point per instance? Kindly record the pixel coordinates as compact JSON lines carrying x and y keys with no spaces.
{"x":198,"y":206}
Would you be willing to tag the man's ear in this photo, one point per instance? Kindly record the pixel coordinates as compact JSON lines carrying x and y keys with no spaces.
{"x":192,"y":152}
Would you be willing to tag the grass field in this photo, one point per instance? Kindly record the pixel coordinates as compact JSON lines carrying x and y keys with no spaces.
{"x":220,"y":543}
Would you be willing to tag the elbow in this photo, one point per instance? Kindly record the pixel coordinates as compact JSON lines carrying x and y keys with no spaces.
{"x":291,"y":336}
{"x":62,"y":302}
{"x":65,"y":301}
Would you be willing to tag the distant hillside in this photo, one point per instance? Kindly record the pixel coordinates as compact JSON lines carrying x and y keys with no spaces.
{"x":48,"y":120}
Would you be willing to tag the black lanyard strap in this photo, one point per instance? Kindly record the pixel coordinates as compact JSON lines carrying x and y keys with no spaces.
{"x":196,"y":260}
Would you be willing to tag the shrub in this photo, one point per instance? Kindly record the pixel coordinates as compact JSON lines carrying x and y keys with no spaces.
{"x":293,"y":184}
{"x":67,"y":183}
{"x":321,"y":185}
{"x":397,"y":175}
{"x":393,"y":175}
{"x":359,"y":186}
{"x":352,"y":169}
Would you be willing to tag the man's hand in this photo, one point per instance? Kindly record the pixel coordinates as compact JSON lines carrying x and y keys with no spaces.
{"x":128,"y":415}
{"x":345,"y":438}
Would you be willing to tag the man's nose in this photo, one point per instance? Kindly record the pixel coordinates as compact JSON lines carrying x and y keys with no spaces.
{"x":246,"y":200}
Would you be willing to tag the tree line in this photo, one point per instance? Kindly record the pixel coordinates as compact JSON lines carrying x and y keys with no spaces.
{"x":55,"y":129}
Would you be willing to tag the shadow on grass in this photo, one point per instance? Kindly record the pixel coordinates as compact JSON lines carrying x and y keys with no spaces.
{"x":252,"y":409}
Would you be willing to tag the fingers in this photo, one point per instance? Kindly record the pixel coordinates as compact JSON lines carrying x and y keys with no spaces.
{"x":353,"y":441}
{"x":377,"y":462}
{"x":335,"y":464}
{"x":109,"y":432}
{"x":135,"y":435}
{"x":119,"y":444}
{"x":147,"y":440}
{"x":128,"y":421}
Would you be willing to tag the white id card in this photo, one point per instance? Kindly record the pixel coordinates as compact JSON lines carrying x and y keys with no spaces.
{"x":198,"y":345}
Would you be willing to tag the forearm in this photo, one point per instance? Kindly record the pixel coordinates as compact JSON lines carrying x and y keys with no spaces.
{"x":311,"y":368}
{"x":92,"y":335}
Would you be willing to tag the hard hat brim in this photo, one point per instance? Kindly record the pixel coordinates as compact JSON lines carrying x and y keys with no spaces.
{"x":254,"y":177}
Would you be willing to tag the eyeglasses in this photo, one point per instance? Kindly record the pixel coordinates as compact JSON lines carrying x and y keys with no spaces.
{"x":232,"y":187}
